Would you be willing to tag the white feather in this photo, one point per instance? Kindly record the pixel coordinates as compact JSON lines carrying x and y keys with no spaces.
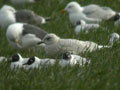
{"x":76,"y":14}
{"x":7,"y":16}
{"x":85,"y":27}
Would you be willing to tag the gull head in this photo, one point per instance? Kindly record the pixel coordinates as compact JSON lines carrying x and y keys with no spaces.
{"x":50,"y":39}
{"x":73,"y":7}
{"x":16,"y":58}
{"x":81,"y":22}
{"x":8,"y":8}
{"x":113,"y":38}
{"x":32,"y":60}
{"x":66,"y":56}
{"x":117,"y":19}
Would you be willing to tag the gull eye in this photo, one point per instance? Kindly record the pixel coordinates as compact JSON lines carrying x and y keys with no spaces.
{"x":70,"y":6}
{"x":66,"y":56}
{"x":15,"y":58}
{"x":48,"y":38}
{"x":31,"y":60}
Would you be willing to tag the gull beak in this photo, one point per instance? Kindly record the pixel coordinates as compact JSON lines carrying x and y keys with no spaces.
{"x":63,"y":11}
{"x":18,"y":43}
{"x":41,"y":42}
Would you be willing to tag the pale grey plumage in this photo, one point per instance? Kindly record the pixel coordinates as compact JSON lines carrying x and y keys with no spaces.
{"x":8,"y":15}
{"x":23,"y":36}
{"x":54,"y":45}
{"x":28,"y":16}
{"x":96,"y":11}
{"x":21,"y":2}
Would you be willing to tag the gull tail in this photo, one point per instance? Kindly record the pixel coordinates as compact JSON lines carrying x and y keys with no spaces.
{"x":104,"y":46}
{"x":47,"y":18}
{"x":41,"y":20}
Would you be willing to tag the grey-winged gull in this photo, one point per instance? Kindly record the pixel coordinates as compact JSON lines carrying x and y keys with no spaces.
{"x":92,"y":10}
{"x":75,"y":14}
{"x":22,"y":35}
{"x":19,"y":2}
{"x":83,"y":26}
{"x":56,"y":45}
{"x":8,"y":15}
{"x":71,"y":59}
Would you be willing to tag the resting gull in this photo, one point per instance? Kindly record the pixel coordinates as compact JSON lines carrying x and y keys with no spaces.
{"x":83,"y":26}
{"x":17,"y":61}
{"x":91,"y":11}
{"x":35,"y":62}
{"x":8,"y":15}
{"x":22,"y":35}
{"x":23,"y":1}
{"x":75,"y":14}
{"x":71,"y":59}
{"x":55,"y":45}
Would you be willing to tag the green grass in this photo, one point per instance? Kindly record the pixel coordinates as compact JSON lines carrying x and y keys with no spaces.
{"x":102,"y":74}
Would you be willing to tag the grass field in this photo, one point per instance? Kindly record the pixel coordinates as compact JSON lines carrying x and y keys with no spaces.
{"x":102,"y":74}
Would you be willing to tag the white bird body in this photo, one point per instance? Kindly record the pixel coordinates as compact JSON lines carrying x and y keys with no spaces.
{"x":76,"y":14}
{"x":22,"y":1}
{"x":90,"y":11}
{"x":82,"y":26}
{"x":18,"y":63}
{"x":13,"y":35}
{"x":113,"y":38}
{"x":73,"y":60}
{"x":54,"y":45}
{"x":80,"y":16}
{"x":98,"y":12}
{"x":48,"y":61}
{"x":21,"y":35}
{"x":7,"y":16}
{"x":29,"y":41}
{"x":36,"y":62}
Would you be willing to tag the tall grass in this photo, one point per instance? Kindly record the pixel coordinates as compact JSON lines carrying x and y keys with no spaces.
{"x":102,"y":74}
